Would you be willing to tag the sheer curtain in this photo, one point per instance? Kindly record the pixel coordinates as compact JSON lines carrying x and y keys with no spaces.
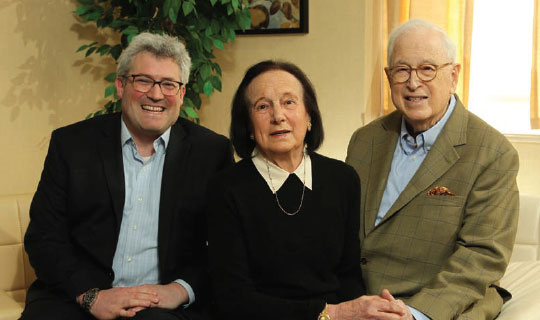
{"x":535,"y":114}
{"x":381,"y":17}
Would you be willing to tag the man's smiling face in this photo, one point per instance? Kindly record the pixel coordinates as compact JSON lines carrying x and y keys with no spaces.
{"x":148,"y":115}
{"x":422,"y":103}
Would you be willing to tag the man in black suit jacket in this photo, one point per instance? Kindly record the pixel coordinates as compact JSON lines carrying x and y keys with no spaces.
{"x":79,"y":238}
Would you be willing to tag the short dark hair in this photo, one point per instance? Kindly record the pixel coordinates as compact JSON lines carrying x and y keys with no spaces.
{"x":240,"y":121}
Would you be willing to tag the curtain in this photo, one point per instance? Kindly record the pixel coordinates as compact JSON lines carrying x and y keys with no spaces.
{"x":381,"y":17}
{"x":535,"y":114}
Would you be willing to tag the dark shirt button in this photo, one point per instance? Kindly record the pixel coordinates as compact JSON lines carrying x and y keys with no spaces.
{"x":363,"y":261}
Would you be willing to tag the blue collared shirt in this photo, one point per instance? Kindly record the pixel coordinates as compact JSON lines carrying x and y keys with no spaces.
{"x":136,"y":258}
{"x":408,"y":156}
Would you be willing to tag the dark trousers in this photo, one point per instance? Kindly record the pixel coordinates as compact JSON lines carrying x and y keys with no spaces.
{"x":57,"y":310}
{"x":44,"y":304}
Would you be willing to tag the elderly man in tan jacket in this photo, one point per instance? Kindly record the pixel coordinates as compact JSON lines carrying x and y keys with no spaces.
{"x":439,"y":202}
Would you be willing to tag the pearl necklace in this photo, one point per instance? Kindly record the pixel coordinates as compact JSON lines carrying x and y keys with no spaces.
{"x":275,"y":192}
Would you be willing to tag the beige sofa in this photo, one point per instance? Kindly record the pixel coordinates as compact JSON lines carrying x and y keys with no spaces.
{"x":522,"y":277}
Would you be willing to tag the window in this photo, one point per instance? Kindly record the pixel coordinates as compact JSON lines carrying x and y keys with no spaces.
{"x":501,"y":58}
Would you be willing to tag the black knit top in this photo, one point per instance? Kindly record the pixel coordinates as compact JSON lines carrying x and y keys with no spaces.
{"x":268,"y":265}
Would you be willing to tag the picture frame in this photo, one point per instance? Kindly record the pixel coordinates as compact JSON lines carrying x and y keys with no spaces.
{"x":277,"y":17}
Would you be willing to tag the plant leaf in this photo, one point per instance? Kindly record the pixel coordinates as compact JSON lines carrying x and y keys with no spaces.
{"x":110,"y":90}
{"x":213,"y":2}
{"x":219,"y":44}
{"x":167,"y":7}
{"x":130,"y":30}
{"x":234,"y":3}
{"x":111,"y":77}
{"x":205,"y":71}
{"x":116,"y":51}
{"x":216,"y":83}
{"x":89,"y":51}
{"x":191,"y":112}
{"x":81,"y":48}
{"x":208,"y":88}
{"x":81,"y":10}
{"x":187,"y":7}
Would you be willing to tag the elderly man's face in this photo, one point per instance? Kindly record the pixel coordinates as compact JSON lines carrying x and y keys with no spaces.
{"x":148,"y":115}
{"x":423,"y":103}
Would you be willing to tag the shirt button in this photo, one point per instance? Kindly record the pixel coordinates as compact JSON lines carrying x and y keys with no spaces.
{"x":134,"y":227}
{"x":139,"y":199}
{"x":143,"y":169}
{"x":414,"y":158}
{"x":129,"y":259}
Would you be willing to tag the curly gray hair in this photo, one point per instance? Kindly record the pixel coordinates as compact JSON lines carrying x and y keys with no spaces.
{"x":160,"y":46}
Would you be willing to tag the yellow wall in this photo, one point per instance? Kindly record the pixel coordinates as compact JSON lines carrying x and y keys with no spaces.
{"x":331,"y":56}
{"x":45,"y":84}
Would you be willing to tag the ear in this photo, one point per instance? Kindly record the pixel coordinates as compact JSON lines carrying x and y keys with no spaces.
{"x":119,"y":84}
{"x":387,"y":72}
{"x":455,"y":77}
{"x":181,"y":93}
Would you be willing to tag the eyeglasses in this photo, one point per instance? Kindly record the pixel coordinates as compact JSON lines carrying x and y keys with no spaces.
{"x":144,"y":84}
{"x":425,"y":72}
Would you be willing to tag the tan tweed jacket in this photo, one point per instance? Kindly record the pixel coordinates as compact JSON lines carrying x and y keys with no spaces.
{"x":441,"y":254}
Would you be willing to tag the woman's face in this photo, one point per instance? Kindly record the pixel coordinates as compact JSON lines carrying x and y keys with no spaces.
{"x":279,"y":120}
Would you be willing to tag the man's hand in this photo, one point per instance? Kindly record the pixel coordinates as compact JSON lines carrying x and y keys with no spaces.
{"x":366,"y":307}
{"x":122,"y":302}
{"x":407,"y":315}
{"x":171,"y":296}
{"x":385,"y":307}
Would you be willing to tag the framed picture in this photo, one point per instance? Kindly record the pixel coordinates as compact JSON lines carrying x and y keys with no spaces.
{"x":277,"y":16}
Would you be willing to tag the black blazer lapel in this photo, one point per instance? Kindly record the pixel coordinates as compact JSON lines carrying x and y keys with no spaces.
{"x":109,"y":146}
{"x":174,"y":168}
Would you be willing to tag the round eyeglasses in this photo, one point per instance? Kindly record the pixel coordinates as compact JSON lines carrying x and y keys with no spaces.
{"x":144,"y":84}
{"x":425,"y":72}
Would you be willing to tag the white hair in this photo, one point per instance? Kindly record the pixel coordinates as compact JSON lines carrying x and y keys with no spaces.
{"x":419,"y":24}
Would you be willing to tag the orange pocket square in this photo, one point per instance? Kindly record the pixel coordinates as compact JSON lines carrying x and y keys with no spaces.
{"x":440,"y":191}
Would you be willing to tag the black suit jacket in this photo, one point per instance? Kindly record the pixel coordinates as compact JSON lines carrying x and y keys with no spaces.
{"x":76,"y":212}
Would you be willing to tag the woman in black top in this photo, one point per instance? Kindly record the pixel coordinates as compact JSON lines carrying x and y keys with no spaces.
{"x":284,"y":221}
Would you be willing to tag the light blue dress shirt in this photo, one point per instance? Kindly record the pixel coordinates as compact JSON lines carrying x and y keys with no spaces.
{"x":408,"y":156}
{"x":136,"y":258}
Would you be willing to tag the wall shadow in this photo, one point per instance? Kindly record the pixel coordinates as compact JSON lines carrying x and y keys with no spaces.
{"x":53,"y":77}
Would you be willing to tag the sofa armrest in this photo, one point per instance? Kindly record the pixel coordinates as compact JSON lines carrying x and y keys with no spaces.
{"x":9,"y":309}
{"x":522,"y":279}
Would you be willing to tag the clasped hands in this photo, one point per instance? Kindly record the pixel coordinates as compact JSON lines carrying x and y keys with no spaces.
{"x":383,"y":307}
{"x":127,"y":301}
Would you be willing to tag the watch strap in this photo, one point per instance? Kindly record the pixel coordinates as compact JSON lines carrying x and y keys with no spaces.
{"x":89,"y":298}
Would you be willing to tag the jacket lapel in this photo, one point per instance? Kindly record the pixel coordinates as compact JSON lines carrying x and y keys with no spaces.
{"x":438,"y":161}
{"x":110,"y":149}
{"x":174,"y":169}
{"x":384,"y":144}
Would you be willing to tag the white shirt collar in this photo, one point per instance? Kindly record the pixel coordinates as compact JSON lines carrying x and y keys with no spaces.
{"x":279,"y":175}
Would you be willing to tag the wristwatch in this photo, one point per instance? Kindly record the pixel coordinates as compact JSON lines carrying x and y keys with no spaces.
{"x":89,"y":298}
{"x":324,"y":314}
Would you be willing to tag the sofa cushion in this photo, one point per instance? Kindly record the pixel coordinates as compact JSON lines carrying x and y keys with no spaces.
{"x":522,"y":279}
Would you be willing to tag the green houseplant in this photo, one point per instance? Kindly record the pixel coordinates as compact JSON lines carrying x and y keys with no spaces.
{"x":201,"y":24}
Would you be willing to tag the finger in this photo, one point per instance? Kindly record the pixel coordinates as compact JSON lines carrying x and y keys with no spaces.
{"x":137,"y":309}
{"x":144,"y":289}
{"x":145,"y":296}
{"x":385,"y":294}
{"x":134,"y":303}
{"x":391,"y":307}
{"x":129,"y":313}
